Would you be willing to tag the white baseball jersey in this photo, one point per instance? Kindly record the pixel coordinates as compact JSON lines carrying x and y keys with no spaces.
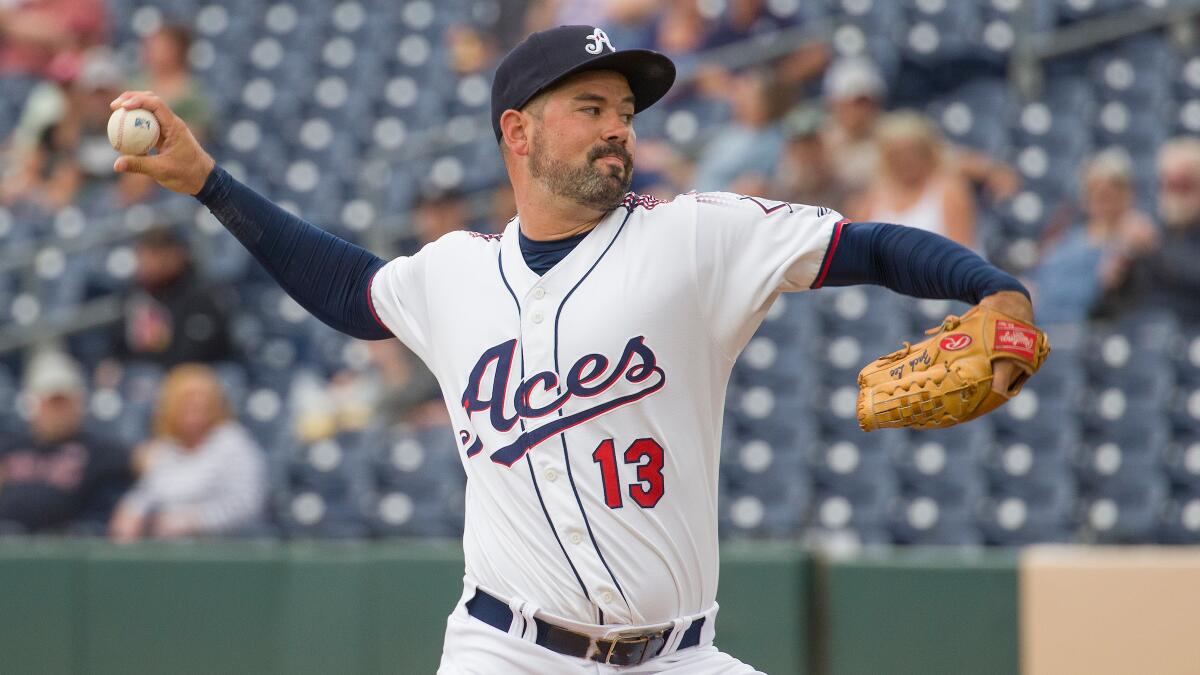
{"x":588,"y":402}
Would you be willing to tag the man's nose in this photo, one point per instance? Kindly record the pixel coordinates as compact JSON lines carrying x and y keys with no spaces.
{"x":617,"y":131}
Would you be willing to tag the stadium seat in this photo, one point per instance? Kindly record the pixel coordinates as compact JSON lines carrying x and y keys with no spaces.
{"x":1181,"y":520}
{"x":772,"y":474}
{"x":1131,"y":450}
{"x":1024,"y":463}
{"x":1182,"y":461}
{"x":307,"y":515}
{"x":846,"y":464}
{"x":943,"y":466}
{"x":862,"y":507}
{"x":1016,"y":520}
{"x":322,"y":467}
{"x":750,"y":515}
{"x":1125,"y":514}
{"x":921,"y":519}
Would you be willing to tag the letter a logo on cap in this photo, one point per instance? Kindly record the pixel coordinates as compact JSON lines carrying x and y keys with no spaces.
{"x":598,"y":38}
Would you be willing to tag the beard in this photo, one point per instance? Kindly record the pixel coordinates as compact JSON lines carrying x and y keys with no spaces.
{"x":599,"y":188}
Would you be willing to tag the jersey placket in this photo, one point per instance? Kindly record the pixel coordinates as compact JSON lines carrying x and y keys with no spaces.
{"x":539,"y":309}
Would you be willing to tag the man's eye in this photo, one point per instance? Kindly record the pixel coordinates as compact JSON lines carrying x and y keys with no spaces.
{"x":592,"y":111}
{"x":627,"y":118}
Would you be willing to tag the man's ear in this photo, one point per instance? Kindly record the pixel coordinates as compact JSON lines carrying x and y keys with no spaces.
{"x":514,"y":130}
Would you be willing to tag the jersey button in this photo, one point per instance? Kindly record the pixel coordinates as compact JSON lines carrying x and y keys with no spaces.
{"x":539,"y":293}
{"x":551,"y":475}
{"x":607,"y":597}
{"x":575,"y":538}
{"x":536,"y":317}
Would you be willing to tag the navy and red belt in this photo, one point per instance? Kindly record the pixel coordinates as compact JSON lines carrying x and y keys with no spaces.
{"x":627,"y":650}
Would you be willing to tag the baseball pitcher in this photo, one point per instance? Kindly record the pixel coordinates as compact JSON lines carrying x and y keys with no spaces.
{"x":584,"y":354}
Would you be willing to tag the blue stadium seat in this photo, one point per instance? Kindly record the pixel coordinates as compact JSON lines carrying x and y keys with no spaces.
{"x":848,"y":463}
{"x":1187,"y":358}
{"x":770,"y":473}
{"x":793,"y":322}
{"x":925,"y":520}
{"x":325,"y":468}
{"x":306,"y":514}
{"x":1181,"y":520}
{"x":1062,"y":378}
{"x":945,"y":467}
{"x":975,"y":114}
{"x":775,"y":408}
{"x":1182,"y":461}
{"x":1033,"y":419}
{"x":862,"y":507}
{"x":1017,"y":520}
{"x":1022,"y":464}
{"x":1125,"y":514}
{"x":750,"y":515}
{"x":1131,"y":450}
{"x":1053,"y":121}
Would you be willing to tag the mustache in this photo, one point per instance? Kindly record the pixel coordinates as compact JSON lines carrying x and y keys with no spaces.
{"x":612,"y":150}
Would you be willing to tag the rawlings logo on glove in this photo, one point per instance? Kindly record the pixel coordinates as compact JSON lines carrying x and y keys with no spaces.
{"x":947,"y":379}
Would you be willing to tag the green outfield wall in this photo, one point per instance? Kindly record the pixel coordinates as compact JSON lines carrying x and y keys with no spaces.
{"x":93,"y":607}
{"x":244,"y":607}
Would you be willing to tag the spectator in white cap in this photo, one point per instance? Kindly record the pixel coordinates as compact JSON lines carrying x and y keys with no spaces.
{"x":57,"y":476}
{"x":854,"y":95}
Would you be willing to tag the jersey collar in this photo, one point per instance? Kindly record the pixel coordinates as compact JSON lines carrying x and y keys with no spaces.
{"x":558,"y":280}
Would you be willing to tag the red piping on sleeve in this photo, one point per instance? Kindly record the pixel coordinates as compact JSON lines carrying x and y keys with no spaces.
{"x":371,"y":304}
{"x":837,"y":235}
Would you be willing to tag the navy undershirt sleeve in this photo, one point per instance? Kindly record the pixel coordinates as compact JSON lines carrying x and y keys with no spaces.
{"x":328,"y":276}
{"x":540,"y":256}
{"x":910,"y":261}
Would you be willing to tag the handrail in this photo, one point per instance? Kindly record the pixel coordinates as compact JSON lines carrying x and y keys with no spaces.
{"x":1031,"y":50}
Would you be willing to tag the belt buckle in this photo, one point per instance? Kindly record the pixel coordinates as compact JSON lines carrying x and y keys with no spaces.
{"x":643,"y":638}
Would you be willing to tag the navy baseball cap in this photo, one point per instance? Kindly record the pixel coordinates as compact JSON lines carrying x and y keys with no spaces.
{"x":547,"y":57}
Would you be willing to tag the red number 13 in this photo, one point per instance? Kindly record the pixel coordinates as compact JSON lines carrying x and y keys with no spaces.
{"x":649,"y":486}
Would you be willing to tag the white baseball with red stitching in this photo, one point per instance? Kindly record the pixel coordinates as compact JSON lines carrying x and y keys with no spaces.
{"x":132,"y":132}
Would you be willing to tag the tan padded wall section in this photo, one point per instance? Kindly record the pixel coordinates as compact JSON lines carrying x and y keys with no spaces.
{"x":1102,"y":611}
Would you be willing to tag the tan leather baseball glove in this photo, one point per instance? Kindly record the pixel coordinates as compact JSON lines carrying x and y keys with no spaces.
{"x":947,"y":379}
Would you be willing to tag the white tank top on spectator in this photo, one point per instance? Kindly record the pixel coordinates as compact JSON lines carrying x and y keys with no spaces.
{"x":927,"y":213}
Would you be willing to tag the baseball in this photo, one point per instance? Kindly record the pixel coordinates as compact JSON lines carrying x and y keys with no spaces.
{"x":132,"y":132}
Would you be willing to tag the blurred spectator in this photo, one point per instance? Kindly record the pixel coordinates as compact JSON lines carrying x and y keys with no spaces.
{"x":469,"y":50}
{"x":1093,"y":257}
{"x":806,"y":173}
{"x":628,"y":23}
{"x":166,"y":72}
{"x":171,"y":316}
{"x":33,"y":33}
{"x":201,"y":473}
{"x":1166,"y":276}
{"x":680,"y":32}
{"x":437,"y":212}
{"x":747,"y":19}
{"x":854,"y":96}
{"x":72,"y":160}
{"x":914,"y":186}
{"x":504,"y":207}
{"x":58,"y":475}
{"x":855,"y":93}
{"x":397,"y":386}
{"x":742,"y":154}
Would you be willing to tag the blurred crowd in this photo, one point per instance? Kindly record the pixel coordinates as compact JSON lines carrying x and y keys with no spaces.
{"x":807,"y":127}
